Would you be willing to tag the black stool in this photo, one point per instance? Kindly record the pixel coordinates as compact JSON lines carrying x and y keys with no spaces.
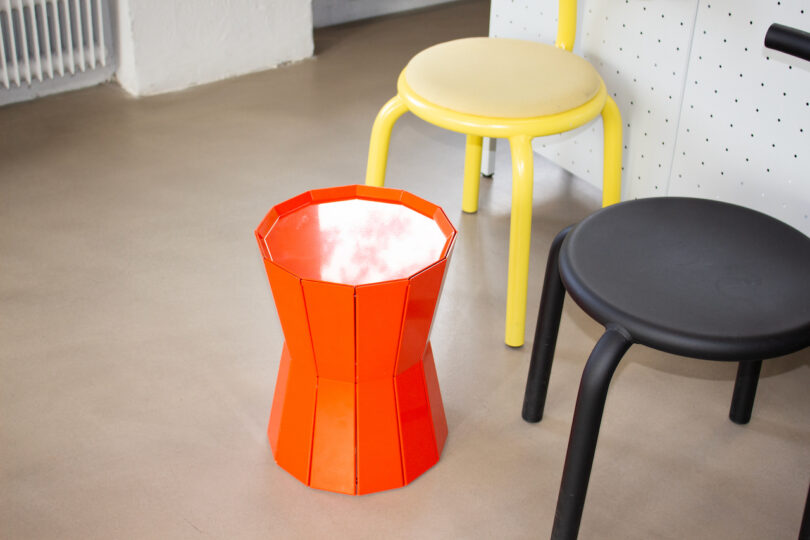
{"x":693,"y":277}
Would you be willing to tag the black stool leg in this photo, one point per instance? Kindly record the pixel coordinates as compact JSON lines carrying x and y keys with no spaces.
{"x":804,"y":532}
{"x":545,"y":336}
{"x":585,"y":431}
{"x":745,"y":390}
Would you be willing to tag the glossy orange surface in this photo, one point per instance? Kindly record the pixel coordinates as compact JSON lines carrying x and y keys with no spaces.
{"x":418,"y":440}
{"x":330,"y":311}
{"x":423,"y":294}
{"x":355,"y":241}
{"x":289,"y":297}
{"x":379,"y":459}
{"x":294,"y":418}
{"x":379,"y":323}
{"x":277,"y":410}
{"x":435,"y":399}
{"x":356,"y":273}
{"x":333,"y":443}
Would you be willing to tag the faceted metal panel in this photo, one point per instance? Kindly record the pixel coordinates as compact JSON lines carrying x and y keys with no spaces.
{"x":379,"y":461}
{"x":374,"y":193}
{"x":330,"y":311}
{"x":423,"y":294}
{"x":290,"y":205}
{"x":274,"y":425}
{"x":419,"y":449}
{"x":340,"y":193}
{"x":294,"y":418}
{"x":419,"y":204}
{"x":435,"y":399}
{"x":333,"y":443}
{"x":379,"y":324}
{"x":292,"y":313}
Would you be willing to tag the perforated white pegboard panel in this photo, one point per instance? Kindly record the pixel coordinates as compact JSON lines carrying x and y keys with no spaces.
{"x":641,"y":50}
{"x":744,"y":135}
{"x":524,"y":19}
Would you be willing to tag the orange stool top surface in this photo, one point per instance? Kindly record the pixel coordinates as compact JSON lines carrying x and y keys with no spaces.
{"x":355,"y":235}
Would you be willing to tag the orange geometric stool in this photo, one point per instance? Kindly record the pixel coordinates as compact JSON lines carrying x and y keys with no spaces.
{"x":356,"y":273}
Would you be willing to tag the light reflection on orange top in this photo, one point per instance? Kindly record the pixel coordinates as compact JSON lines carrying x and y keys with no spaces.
{"x":355,"y":242}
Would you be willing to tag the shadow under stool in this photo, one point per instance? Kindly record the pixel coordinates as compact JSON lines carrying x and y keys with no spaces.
{"x":692,"y":277}
{"x":804,"y":532}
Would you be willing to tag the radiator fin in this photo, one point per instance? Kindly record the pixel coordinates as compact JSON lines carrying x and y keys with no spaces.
{"x":47,"y":39}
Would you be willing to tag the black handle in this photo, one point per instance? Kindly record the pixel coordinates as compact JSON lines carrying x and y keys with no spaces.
{"x":788,"y":40}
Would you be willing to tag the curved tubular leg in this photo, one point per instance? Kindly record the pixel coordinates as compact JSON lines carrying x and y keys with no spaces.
{"x":472,"y":174}
{"x":804,"y":532}
{"x":545,"y":337}
{"x":745,"y":390}
{"x":612,"y":167}
{"x":520,"y":232}
{"x":380,"y":139}
{"x":585,"y":431}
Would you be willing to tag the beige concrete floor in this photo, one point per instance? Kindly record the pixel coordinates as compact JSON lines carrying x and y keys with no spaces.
{"x":139,"y":342}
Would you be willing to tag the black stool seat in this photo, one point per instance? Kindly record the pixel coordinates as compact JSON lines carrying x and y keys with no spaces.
{"x":693,"y":277}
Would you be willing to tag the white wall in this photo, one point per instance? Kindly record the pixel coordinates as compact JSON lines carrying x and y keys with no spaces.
{"x":329,"y":12}
{"x":170,"y":45}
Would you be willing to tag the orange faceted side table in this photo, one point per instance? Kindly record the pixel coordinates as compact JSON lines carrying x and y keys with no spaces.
{"x":356,"y":273}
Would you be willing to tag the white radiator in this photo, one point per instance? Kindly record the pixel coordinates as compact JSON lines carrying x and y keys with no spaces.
{"x":45,"y":41}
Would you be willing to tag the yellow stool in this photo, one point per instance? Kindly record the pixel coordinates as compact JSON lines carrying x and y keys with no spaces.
{"x":505,"y":88}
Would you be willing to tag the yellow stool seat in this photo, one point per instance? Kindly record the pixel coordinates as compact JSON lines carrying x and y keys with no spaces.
{"x":502,"y":78}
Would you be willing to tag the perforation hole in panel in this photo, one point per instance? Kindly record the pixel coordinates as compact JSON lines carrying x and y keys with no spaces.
{"x":641,"y":50}
{"x":744,"y":135}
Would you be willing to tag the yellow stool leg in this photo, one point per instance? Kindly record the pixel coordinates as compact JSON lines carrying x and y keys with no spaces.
{"x":520,"y":232}
{"x":472,"y":173}
{"x":381,"y":138}
{"x":612,"y":171}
